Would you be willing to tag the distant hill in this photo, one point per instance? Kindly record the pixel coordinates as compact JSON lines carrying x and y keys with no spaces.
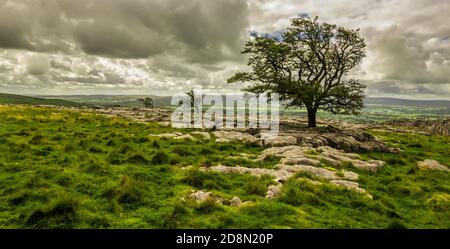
{"x":6,"y":98}
{"x":161,"y":101}
{"x":406,"y":102}
{"x":108,"y":100}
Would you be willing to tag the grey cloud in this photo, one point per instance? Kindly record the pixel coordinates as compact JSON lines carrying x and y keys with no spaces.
{"x":399,"y":88}
{"x":13,"y":30}
{"x":199,"y":31}
{"x":135,"y":45}
{"x":37,"y":64}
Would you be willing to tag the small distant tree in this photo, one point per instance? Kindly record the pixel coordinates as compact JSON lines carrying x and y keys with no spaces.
{"x":194,"y":102}
{"x":147,"y":102}
{"x":307,"y":65}
{"x":191,"y":97}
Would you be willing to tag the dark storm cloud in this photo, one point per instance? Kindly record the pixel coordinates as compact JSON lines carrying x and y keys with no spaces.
{"x":202,"y":31}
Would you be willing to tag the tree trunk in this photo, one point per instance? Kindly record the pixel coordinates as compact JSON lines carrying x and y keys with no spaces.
{"x":312,"y":117}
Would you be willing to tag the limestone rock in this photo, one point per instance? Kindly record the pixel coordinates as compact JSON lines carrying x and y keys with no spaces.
{"x":348,"y":185}
{"x":432,"y":165}
{"x":204,"y":135}
{"x":185,"y":136}
{"x":279,"y":141}
{"x":296,"y":155}
{"x":273,"y":191}
{"x":352,"y":186}
{"x":235,"y":136}
{"x":235,"y":201}
{"x":200,"y":196}
{"x":320,"y":173}
{"x":276,"y":151}
{"x":167,"y":135}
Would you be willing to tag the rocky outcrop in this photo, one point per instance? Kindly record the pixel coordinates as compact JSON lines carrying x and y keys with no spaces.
{"x":349,"y":141}
{"x":235,"y":201}
{"x":278,"y":141}
{"x":185,"y":136}
{"x":200,"y":196}
{"x":320,"y":173}
{"x":314,"y":162}
{"x":432,"y":165}
{"x":350,"y":185}
{"x":274,"y":191}
{"x":181,"y":136}
{"x":293,"y":155}
{"x":235,"y":136}
{"x":339,"y":135}
{"x":167,"y":135}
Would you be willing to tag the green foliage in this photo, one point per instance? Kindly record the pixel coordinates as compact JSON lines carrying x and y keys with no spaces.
{"x":147,"y":102}
{"x":60,"y":213}
{"x":160,"y":157}
{"x":306,"y":65}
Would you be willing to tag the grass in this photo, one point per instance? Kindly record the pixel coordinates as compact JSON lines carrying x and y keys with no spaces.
{"x":64,"y":169}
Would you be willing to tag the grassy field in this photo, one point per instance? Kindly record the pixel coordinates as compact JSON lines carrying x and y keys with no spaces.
{"x":375,"y":113}
{"x":62,"y":169}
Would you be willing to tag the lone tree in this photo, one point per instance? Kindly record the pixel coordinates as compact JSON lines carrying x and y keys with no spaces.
{"x":147,"y":102}
{"x":307,"y":65}
{"x":194,"y":102}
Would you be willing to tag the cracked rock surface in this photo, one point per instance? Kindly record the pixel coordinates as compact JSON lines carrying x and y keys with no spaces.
{"x":310,"y":161}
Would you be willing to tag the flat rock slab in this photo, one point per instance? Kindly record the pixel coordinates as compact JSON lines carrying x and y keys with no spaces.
{"x":204,"y":135}
{"x":235,"y":136}
{"x":200,"y":196}
{"x":432,"y":165}
{"x":310,"y":161}
{"x":293,"y":155}
{"x":279,"y":141}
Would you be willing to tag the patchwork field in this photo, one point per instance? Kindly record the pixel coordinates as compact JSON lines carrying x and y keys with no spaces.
{"x":71,"y":169}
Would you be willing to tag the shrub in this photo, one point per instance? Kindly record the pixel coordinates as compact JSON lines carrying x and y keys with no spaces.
{"x":95,"y":149}
{"x":299,"y":192}
{"x":256,"y":188}
{"x":137,"y":158}
{"x":208,"y":206}
{"x":396,"y":224}
{"x":36,"y":139}
{"x":193,"y":177}
{"x":111,"y":142}
{"x":206,"y":151}
{"x":439,"y":202}
{"x":172,"y":219}
{"x":183,"y":151}
{"x":129,"y":192}
{"x":60,"y":213}
{"x":69,"y":148}
{"x":115,"y":158}
{"x":156,"y":145}
{"x":396,"y":160}
{"x":160,"y":157}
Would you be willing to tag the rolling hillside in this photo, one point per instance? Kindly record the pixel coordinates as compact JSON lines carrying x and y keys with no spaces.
{"x":19,"y":99}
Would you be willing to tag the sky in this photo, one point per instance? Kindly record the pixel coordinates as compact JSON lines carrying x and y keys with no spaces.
{"x":162,"y":46}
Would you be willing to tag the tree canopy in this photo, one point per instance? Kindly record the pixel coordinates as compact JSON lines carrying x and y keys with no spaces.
{"x":308,"y":66}
{"x":147,"y":102}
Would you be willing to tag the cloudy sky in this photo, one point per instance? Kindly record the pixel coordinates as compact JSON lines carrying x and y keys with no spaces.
{"x":160,"y":46}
